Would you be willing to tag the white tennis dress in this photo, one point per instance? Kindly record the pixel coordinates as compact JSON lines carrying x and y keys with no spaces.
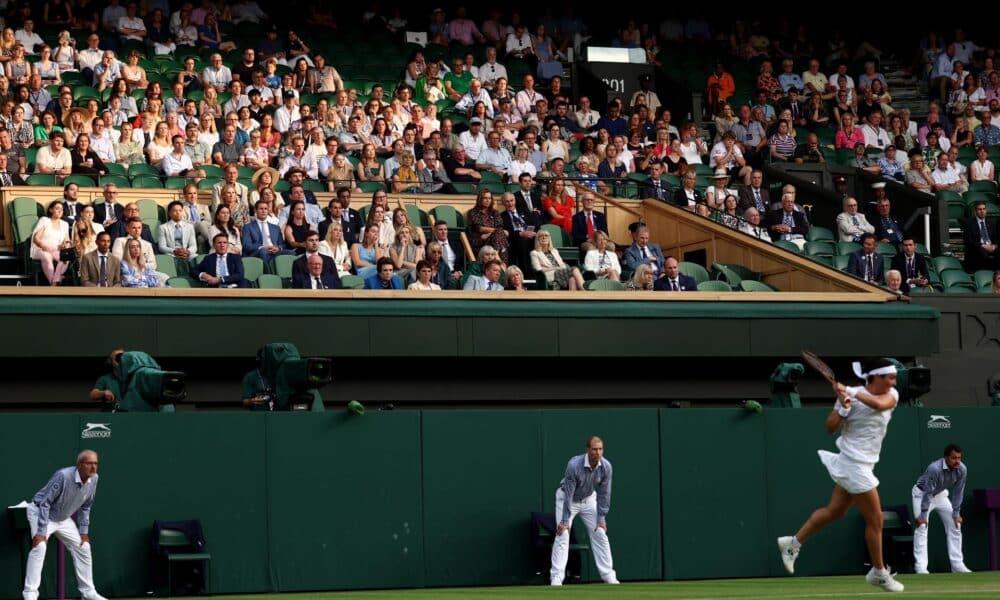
{"x":860,"y":443}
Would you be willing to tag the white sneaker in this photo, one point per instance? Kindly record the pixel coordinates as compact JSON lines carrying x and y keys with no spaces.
{"x":923,"y":572}
{"x":613,"y":582}
{"x":886,"y":582}
{"x":788,"y":552}
{"x":961,"y":569}
{"x":555,"y":582}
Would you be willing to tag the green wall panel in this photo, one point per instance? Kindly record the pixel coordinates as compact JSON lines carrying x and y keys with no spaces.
{"x":179,"y":466}
{"x":482,"y":479}
{"x":631,"y":442}
{"x":409,"y":337}
{"x":344,"y":500}
{"x":713,"y":490}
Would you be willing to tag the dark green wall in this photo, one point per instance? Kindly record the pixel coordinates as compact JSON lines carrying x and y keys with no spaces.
{"x":442,"y":497}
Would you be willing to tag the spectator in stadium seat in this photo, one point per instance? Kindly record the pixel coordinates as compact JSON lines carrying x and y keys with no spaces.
{"x":489,"y":281}
{"x":458,"y":169}
{"x":263,"y":239}
{"x":587,"y":222}
{"x":299,"y":158}
{"x":673,"y":280}
{"x":335,"y":247}
{"x":752,"y":227}
{"x":230,"y":176}
{"x":866,"y":263}
{"x":316,"y":277}
{"x":119,"y":228}
{"x":911,"y":266}
{"x":887,"y":228}
{"x":981,"y":238}
{"x":49,"y":238}
{"x":642,"y":252}
{"x":385,"y":277}
{"x":602,"y":260}
{"x":312,"y":246}
{"x":221,"y":268}
{"x":521,"y":229}
{"x":851,"y":224}
{"x":786,"y":223}
{"x":177,"y":236}
{"x":642,"y":280}
{"x":91,"y":272}
{"x":54,"y":159}
{"x":135,"y":271}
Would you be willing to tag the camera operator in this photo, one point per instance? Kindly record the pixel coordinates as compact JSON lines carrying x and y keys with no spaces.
{"x":107,"y":389}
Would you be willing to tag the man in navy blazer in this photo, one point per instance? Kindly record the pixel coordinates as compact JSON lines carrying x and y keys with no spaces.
{"x":385,"y":277}
{"x":673,"y":280}
{"x":655,"y":187}
{"x":254,"y":242}
{"x":642,"y":251}
{"x":207,"y":271}
{"x":866,"y":263}
{"x":588,"y":215}
{"x":316,"y":278}
{"x":103,"y":215}
{"x":912,"y":266}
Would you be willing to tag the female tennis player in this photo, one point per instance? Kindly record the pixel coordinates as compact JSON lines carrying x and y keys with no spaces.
{"x":862,"y":415}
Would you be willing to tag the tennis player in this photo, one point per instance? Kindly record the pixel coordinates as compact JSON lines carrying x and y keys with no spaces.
{"x":862,"y":415}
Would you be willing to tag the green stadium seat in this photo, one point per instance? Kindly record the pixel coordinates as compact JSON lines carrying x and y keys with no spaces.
{"x":166,"y":264}
{"x":370,"y":187}
{"x":816,"y":234}
{"x":605,"y":285}
{"x":821,"y":248}
{"x":847,"y":247}
{"x":841,"y":261}
{"x":989,"y":187}
{"x":352,"y":282}
{"x":714,"y":286}
{"x":147,"y":181}
{"x":269,"y":282}
{"x":694,"y":271}
{"x":749,"y":285}
{"x":41,"y":179}
{"x":282,"y":266}
{"x":175,"y":183}
{"x":119,"y":180}
{"x":952,"y":278}
{"x":886,"y":250}
{"x":179,"y":282}
{"x":115,"y":169}
{"x":142,"y":169}
{"x":983,"y":278}
{"x":22,"y":206}
{"x":945,"y":263}
{"x":448,"y":214}
{"x":789,"y":246}
{"x":150,"y":210}
{"x":212,"y":171}
{"x":175,"y":548}
{"x":253,"y":268}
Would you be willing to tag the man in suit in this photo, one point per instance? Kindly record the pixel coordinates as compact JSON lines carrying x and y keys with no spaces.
{"x":119,"y":228}
{"x":587,"y":221}
{"x":642,"y":251}
{"x":489,"y":281}
{"x":521,"y":230}
{"x":71,"y":206}
{"x":451,"y":253}
{"x":262,"y":239}
{"x":110,"y":212}
{"x":100,"y":268}
{"x":220,"y":269}
{"x":350,"y":227}
{"x":887,"y":228}
{"x":851,"y":224}
{"x":177,"y":236}
{"x":655,"y":188}
{"x":980,"y":241}
{"x":752,"y":227}
{"x":786,"y":223}
{"x":229,"y":177}
{"x":198,"y":215}
{"x":529,"y":199}
{"x":134,"y":229}
{"x":316,"y":277}
{"x":755,"y":195}
{"x":385,"y":277}
{"x":673,"y":280}
{"x":866,"y":263}
{"x":301,"y":264}
{"x":350,"y":219}
{"x":8,"y":178}
{"x":911,"y":266}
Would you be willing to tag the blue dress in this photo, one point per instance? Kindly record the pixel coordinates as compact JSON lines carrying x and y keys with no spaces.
{"x":367,"y":256}
{"x":140,"y":278}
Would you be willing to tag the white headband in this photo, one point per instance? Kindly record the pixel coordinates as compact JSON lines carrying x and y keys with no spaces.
{"x":889,"y":370}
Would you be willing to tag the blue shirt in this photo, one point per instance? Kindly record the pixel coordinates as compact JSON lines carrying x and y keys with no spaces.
{"x":938,"y":478}
{"x":580,"y":481}
{"x":64,"y":495}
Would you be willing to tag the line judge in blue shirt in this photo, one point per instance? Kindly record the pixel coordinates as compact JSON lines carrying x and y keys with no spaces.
{"x":585,"y":490}
{"x":940,"y":488}
{"x":70,"y":490}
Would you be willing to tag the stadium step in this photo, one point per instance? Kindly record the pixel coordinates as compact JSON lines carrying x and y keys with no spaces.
{"x":9,"y":264}
{"x":13,"y":280}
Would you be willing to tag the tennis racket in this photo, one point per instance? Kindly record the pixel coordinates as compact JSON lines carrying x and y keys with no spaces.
{"x":821,"y":367}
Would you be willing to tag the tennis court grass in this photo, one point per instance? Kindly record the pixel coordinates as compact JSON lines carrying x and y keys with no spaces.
{"x":975,"y":586}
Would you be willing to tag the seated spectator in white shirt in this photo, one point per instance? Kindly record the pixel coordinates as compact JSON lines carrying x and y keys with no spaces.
{"x":178,"y":163}
{"x":53,"y":159}
{"x":946,"y":177}
{"x":27,"y":37}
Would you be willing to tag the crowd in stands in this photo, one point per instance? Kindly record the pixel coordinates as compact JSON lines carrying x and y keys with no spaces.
{"x":171,"y":92}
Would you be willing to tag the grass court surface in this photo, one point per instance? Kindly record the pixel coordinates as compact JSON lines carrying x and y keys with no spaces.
{"x":975,"y":586}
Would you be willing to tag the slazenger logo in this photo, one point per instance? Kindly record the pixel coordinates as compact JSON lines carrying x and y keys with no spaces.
{"x":939,"y":422}
{"x":96,"y":430}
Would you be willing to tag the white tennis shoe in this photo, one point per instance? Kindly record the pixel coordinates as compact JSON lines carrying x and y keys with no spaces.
{"x":788,"y":552}
{"x":883,"y":580}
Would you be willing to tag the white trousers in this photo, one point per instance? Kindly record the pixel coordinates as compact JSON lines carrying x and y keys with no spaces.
{"x":68,"y":533}
{"x":942,"y":505}
{"x":599,"y":544}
